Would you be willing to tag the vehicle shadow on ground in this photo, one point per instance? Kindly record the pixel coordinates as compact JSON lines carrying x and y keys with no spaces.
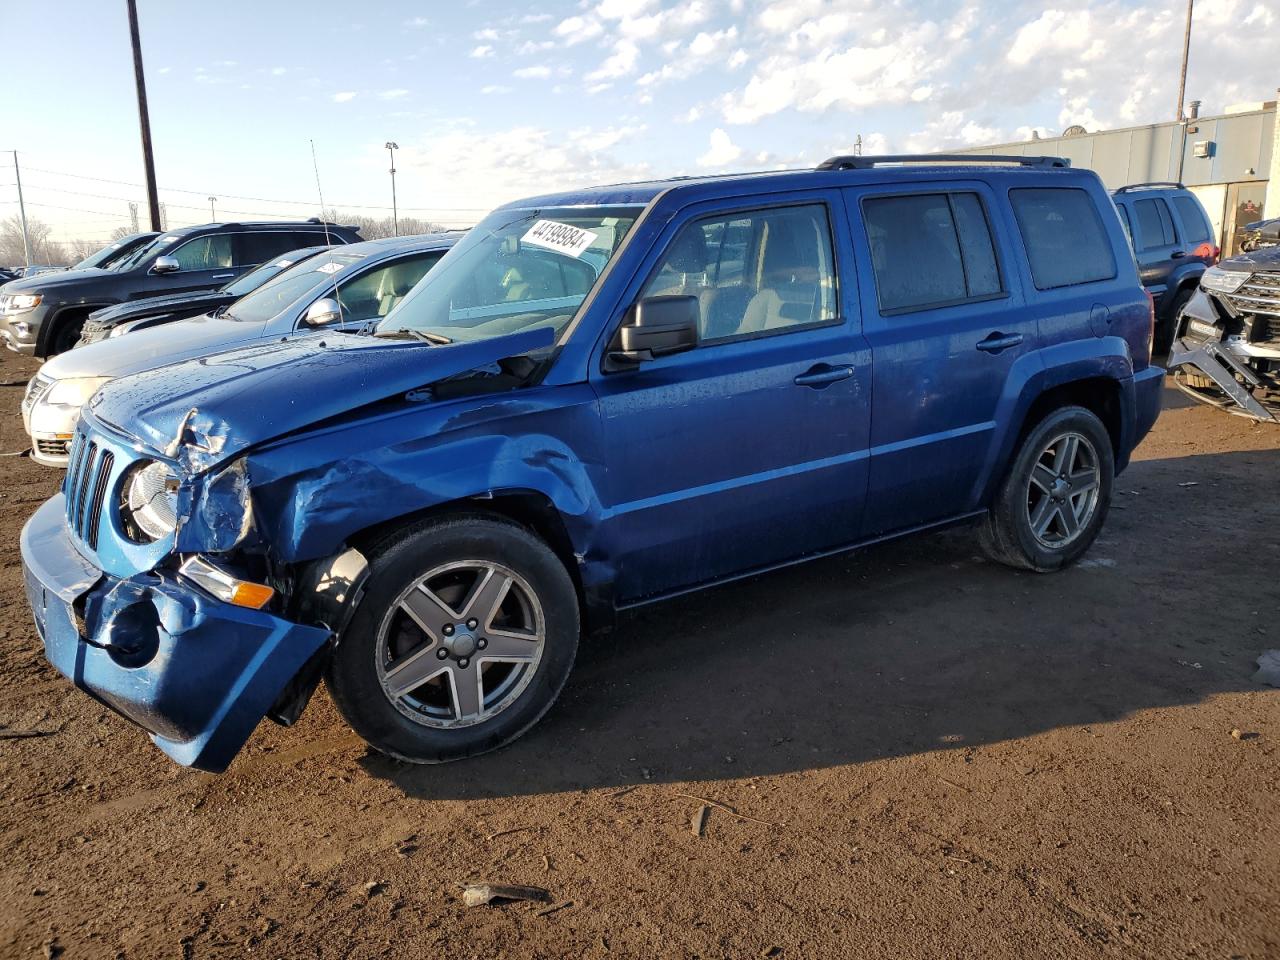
{"x":909,"y":647}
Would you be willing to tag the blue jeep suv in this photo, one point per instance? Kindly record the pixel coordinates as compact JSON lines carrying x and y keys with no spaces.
{"x":596,"y":400}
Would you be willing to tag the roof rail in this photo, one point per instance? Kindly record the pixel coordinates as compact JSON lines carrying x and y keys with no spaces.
{"x":1148,"y":186}
{"x":867,"y":163}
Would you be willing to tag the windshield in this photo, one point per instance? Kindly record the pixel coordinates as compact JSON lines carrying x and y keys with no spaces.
{"x":145,"y":252}
{"x":255,"y":278}
{"x":517,"y":270}
{"x":297,"y":281}
{"x":106,"y":257}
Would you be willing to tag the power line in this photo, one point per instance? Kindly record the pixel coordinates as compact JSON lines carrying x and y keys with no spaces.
{"x":237,"y":196}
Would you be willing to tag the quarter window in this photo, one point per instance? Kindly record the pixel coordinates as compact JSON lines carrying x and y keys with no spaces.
{"x":205,"y":253}
{"x":930,"y":250}
{"x":757,"y":272}
{"x":1065,"y":240}
{"x":1193,"y":220}
{"x":256,"y":248}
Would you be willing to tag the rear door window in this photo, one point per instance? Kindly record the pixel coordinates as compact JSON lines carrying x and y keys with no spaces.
{"x":1065,"y":239}
{"x":930,"y":250}
{"x":1194,"y":224}
{"x":256,"y":248}
{"x":1154,"y":224}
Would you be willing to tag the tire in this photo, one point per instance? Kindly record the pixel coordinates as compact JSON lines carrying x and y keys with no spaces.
{"x":1009,"y":534}
{"x":1167,"y":328}
{"x":380,"y":676}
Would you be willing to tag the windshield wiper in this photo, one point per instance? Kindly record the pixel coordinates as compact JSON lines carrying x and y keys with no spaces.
{"x":439,"y":339}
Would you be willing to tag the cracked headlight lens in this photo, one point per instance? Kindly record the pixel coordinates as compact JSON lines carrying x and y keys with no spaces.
{"x":148,"y":504}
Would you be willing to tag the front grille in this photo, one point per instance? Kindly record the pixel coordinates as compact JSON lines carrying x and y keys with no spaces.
{"x":52,"y":448}
{"x":1259,"y":297}
{"x":85,"y":488}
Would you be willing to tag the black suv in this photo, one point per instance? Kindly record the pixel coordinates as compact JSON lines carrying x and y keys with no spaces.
{"x":1173,"y":243}
{"x":44,"y":315}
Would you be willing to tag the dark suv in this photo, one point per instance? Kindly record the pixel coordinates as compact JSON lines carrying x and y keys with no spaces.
{"x":1173,"y":242}
{"x":43,"y":315}
{"x":597,"y":399}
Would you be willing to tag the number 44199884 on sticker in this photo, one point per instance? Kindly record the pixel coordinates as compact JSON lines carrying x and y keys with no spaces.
{"x":561,"y":237}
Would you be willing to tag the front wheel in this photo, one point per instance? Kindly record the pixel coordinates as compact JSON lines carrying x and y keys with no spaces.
{"x":464,"y":638}
{"x":1054,"y":498}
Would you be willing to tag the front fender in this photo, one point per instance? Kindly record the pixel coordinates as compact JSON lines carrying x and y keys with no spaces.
{"x":312,"y":493}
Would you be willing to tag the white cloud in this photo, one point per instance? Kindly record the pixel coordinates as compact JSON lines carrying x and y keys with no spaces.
{"x":417,"y":22}
{"x":482,"y":51}
{"x":495,"y":88}
{"x":467,"y":168}
{"x":344,"y":97}
{"x":722,"y":150}
{"x":279,"y":71}
{"x":486,"y":34}
{"x":574,"y":30}
{"x":619,"y":63}
{"x":532,"y":73}
{"x":393,"y":94}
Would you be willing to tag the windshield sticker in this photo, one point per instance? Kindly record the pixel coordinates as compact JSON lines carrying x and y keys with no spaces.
{"x":560,"y":237}
{"x":284,"y":263}
{"x":168,"y":239}
{"x":329,"y":267}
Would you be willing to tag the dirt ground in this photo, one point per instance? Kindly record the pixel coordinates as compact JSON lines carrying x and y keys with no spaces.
{"x":931,"y":756}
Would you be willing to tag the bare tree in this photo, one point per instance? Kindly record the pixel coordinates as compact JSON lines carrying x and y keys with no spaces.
{"x":372,"y":228}
{"x":43,"y":250}
{"x":78,"y":250}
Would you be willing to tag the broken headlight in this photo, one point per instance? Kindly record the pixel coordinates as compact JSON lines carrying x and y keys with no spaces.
{"x":1223,"y":281}
{"x":148,"y":501}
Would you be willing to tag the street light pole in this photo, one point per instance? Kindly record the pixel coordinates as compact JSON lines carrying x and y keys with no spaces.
{"x":22,"y":212}
{"x":213,"y":214}
{"x":392,"y":147}
{"x":144,"y":118}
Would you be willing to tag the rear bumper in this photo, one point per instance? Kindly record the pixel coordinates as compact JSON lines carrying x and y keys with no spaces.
{"x":196,"y":673}
{"x":1148,"y":397}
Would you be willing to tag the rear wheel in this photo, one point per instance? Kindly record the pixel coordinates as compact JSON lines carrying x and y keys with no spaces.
{"x":1052,"y":502}
{"x":465,"y":637}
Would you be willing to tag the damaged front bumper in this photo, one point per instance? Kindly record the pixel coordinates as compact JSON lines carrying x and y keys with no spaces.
{"x":196,"y":673}
{"x":1211,"y":372}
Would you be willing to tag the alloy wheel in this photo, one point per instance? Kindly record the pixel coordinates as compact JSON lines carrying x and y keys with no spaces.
{"x":1062,"y":491}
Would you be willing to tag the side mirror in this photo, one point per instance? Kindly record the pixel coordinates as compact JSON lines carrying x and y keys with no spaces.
{"x":656,"y":327}
{"x":166,"y":265}
{"x":322,"y":313}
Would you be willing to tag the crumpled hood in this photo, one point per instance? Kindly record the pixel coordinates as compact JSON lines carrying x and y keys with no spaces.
{"x":42,"y":282}
{"x":206,"y":411}
{"x":1268,"y":258}
{"x":152,"y":306}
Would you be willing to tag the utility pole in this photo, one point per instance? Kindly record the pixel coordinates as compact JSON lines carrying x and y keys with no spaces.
{"x":22,"y":212}
{"x":1182,"y":77}
{"x":213,"y":214}
{"x":144,"y":118}
{"x":392,"y":147}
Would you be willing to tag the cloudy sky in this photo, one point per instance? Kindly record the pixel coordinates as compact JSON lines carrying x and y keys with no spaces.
{"x":491,"y":100}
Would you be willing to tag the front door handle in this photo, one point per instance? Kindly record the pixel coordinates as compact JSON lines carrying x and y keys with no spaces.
{"x":999,"y":341}
{"x":822,"y":375}
{"x":1177,"y":254}
{"x":222,"y":276}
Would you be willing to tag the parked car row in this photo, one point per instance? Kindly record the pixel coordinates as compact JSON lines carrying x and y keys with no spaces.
{"x":594,"y":400}
{"x":44,"y":315}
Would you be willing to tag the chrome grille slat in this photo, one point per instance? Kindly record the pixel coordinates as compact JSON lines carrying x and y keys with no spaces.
{"x":1259,"y":296}
{"x":84,"y":483}
{"x":105,"y":463}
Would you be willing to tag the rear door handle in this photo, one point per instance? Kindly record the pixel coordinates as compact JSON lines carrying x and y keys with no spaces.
{"x":1177,"y":254}
{"x":999,"y":341}
{"x":222,"y":276}
{"x":822,"y":375}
